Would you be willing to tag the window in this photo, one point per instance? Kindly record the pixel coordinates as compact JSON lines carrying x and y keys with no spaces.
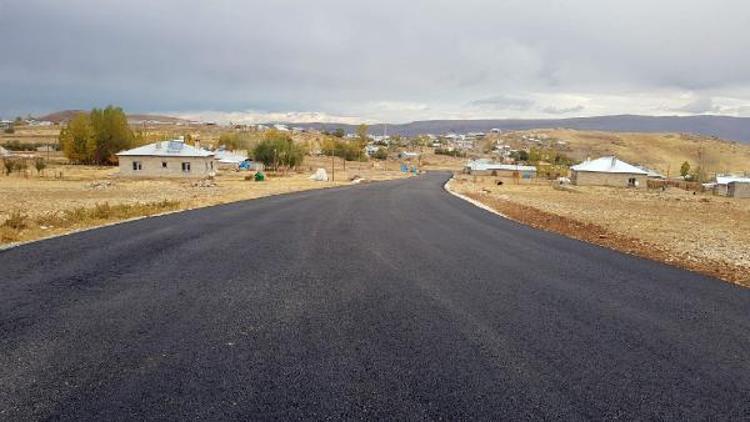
{"x":137,"y":166}
{"x":631,"y":182}
{"x":163,"y":164}
{"x":186,"y":167}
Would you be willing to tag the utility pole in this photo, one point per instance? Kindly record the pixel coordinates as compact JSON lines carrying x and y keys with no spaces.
{"x":333,"y":161}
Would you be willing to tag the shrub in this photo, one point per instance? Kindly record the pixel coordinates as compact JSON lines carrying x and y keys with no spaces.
{"x":9,"y":165}
{"x":40,"y":164}
{"x":380,"y":154}
{"x":278,"y":148}
{"x":16,"y":221}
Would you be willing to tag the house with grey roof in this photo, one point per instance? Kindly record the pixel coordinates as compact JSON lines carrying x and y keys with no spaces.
{"x":167,"y":159}
{"x":608,"y":171}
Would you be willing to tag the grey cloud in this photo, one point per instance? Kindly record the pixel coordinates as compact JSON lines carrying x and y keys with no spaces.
{"x":699,"y":106}
{"x":504,"y":102}
{"x":563,"y":110}
{"x":337,"y":55}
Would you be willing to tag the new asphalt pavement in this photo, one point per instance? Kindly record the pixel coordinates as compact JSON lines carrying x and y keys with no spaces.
{"x":393,"y":300}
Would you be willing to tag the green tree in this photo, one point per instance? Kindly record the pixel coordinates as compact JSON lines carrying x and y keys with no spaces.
{"x":339,"y":132}
{"x":76,"y":138}
{"x":111,"y":134}
{"x":278,"y":149}
{"x":685,"y":169}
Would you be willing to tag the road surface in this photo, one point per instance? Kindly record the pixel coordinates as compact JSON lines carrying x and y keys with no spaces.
{"x":393,"y":300}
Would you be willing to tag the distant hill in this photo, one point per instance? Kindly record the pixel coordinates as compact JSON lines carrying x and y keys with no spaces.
{"x":66,"y":115}
{"x":730,"y":128}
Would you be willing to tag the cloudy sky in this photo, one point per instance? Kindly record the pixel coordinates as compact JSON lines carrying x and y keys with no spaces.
{"x":385,"y":60}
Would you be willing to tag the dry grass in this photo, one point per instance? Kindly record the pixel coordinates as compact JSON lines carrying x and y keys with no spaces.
{"x":664,"y":152}
{"x":701,"y":232}
{"x":73,"y":197}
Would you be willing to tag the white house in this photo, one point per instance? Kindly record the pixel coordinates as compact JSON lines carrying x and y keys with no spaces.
{"x":167,"y":159}
{"x":608,"y":171}
{"x":4,"y":152}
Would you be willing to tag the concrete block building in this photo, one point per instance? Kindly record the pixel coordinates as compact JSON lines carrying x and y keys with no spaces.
{"x":167,"y":159}
{"x":608,"y":171}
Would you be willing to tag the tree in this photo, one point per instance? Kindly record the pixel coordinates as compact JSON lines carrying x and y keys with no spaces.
{"x":278,"y":148}
{"x":76,"y":139}
{"x":380,"y":154}
{"x":339,"y":133}
{"x":39,"y":165}
{"x":362,"y":135}
{"x":111,"y":134}
{"x":96,"y":137}
{"x":685,"y":169}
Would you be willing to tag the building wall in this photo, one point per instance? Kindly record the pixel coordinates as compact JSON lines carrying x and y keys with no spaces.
{"x":153,"y":167}
{"x":739,"y":190}
{"x":589,"y":178}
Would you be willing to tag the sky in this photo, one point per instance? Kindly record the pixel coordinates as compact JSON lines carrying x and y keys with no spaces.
{"x":376,"y":61}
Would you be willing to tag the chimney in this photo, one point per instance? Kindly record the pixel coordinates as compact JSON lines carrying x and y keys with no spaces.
{"x":198,"y":144}
{"x":614,"y":161}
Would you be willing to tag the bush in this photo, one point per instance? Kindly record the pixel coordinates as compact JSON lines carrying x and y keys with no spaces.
{"x":9,"y":165}
{"x":454,"y":153}
{"x":380,"y":154}
{"x":16,"y":145}
{"x":278,"y":149}
{"x":40,"y":164}
{"x":16,"y":221}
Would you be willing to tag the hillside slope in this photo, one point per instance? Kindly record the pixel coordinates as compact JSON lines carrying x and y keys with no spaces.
{"x":664,"y":152}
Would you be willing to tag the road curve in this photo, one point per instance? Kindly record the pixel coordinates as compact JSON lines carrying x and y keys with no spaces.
{"x":393,"y":300}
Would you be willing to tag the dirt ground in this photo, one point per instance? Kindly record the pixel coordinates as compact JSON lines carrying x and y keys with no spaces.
{"x":701,"y":232}
{"x":85,"y":187}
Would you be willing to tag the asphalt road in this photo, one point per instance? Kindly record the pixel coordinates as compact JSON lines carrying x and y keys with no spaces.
{"x":392,"y":300}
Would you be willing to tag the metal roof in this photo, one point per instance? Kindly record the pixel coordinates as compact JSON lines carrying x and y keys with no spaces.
{"x":173,"y":148}
{"x":482,"y":165}
{"x":226,"y":157}
{"x":608,"y":164}
{"x":725,"y":180}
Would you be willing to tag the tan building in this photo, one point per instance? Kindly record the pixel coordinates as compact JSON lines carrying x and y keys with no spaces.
{"x":167,"y":159}
{"x":608,"y":171}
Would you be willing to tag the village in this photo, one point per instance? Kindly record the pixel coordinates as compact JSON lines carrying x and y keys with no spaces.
{"x":586,"y":177}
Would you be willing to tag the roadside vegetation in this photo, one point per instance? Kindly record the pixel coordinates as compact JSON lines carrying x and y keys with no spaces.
{"x":12,"y":228}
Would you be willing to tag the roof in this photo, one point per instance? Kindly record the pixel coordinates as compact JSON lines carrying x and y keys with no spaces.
{"x":229,"y":157}
{"x":651,"y":172}
{"x":3,"y":151}
{"x":725,"y":180}
{"x":483,"y":165}
{"x":608,"y":164}
{"x":173,"y":148}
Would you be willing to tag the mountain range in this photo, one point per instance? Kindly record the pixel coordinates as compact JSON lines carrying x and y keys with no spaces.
{"x":724,"y":127}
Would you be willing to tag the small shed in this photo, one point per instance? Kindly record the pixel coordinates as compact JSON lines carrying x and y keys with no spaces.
{"x":721,"y":187}
{"x":4,"y":152}
{"x":166,"y":159}
{"x":608,"y":171}
{"x":738,"y":189}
